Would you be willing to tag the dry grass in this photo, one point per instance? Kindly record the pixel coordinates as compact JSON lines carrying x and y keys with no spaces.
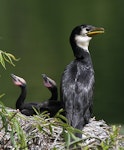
{"x":18,"y":131}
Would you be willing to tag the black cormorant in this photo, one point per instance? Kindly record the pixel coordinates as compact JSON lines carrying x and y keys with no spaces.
{"x":25,"y":108}
{"x":78,"y":78}
{"x":52,"y":105}
{"x":51,"y":85}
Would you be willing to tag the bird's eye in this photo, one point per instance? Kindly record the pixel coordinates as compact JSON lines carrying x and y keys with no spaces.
{"x":87,"y":29}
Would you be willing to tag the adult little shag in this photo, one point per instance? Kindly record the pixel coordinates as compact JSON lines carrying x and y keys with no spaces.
{"x":78,"y":78}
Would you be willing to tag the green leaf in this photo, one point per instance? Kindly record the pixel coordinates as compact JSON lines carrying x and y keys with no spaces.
{"x":50,"y":128}
{"x":2,"y":61}
{"x":4,"y":56}
{"x":2,"y":95}
{"x":67,"y":139}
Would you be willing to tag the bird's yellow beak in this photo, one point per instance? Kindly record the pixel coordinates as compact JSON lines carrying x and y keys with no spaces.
{"x":95,"y":31}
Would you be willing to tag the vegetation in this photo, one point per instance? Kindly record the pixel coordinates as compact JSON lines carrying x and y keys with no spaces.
{"x":7,"y":57}
{"x":18,"y":131}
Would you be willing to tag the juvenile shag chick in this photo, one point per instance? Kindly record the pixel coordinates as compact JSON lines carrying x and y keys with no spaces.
{"x":77,"y":81}
{"x":25,"y":108}
{"x":51,"y":85}
{"x":52,"y":105}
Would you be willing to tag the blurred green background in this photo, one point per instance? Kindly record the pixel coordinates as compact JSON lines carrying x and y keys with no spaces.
{"x":38,"y":33}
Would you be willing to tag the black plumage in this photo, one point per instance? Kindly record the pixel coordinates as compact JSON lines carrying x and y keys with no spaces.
{"x":52,"y":105}
{"x":77,"y":82}
{"x":25,"y":108}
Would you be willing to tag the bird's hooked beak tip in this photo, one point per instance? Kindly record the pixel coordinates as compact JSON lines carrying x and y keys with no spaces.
{"x":95,"y":31}
{"x":44,"y":77}
{"x":12,"y":75}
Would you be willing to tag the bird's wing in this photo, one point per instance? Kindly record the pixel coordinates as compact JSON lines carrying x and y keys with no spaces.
{"x":77,"y":92}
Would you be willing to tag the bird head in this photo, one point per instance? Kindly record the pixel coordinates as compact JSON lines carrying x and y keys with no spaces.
{"x":48,"y":82}
{"x":81,"y":35}
{"x":18,"y":81}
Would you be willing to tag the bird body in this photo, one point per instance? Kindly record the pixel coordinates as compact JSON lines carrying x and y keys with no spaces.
{"x":51,"y":105}
{"x":77,"y":82}
{"x":78,"y":91}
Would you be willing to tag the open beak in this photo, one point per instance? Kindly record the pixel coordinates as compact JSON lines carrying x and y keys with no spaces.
{"x":13,"y":77}
{"x":44,"y":77}
{"x":95,"y":31}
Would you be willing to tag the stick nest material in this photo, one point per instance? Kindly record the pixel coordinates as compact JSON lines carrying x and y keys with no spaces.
{"x":40,"y":132}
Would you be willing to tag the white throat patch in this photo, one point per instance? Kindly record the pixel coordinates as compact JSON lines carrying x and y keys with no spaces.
{"x":83,"y":41}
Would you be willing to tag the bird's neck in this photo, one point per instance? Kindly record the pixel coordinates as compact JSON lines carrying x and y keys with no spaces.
{"x":21,"y":98}
{"x":81,"y":53}
{"x":54,"y":93}
{"x":80,"y":45}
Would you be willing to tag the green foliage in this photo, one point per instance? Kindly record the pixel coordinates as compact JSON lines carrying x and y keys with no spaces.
{"x":8,"y":118}
{"x":7,"y":57}
{"x":2,"y":95}
{"x":114,"y":142}
{"x":11,"y":126}
{"x":68,"y":131}
{"x":45,"y":126}
{"x":42,"y":122}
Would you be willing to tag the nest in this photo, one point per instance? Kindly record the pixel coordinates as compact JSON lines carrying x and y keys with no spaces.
{"x":40,"y":132}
